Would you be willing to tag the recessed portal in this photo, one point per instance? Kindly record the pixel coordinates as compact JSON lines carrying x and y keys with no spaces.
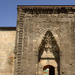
{"x":48,"y":70}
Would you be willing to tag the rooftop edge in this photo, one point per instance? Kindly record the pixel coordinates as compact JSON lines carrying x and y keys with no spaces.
{"x":7,"y":28}
{"x":45,"y":6}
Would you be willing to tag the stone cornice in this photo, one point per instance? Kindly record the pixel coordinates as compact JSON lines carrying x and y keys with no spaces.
{"x":47,"y":7}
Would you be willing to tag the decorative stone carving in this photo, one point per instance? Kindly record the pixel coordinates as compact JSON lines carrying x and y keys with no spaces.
{"x":48,"y":43}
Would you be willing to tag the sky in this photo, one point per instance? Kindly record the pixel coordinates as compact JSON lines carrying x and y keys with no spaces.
{"x":8,"y":9}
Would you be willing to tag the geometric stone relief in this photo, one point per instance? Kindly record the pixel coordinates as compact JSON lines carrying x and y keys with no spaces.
{"x":42,"y":33}
{"x":48,"y":48}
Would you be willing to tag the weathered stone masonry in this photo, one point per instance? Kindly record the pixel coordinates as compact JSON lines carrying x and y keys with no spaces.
{"x":44,"y":36}
{"x":7,"y":44}
{"x":32,"y":24}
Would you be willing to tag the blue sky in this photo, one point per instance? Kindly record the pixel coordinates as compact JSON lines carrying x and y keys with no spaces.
{"x":8,"y":9}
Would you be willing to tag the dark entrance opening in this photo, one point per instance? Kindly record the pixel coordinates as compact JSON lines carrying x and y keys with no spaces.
{"x":48,"y":70}
{"x":51,"y":70}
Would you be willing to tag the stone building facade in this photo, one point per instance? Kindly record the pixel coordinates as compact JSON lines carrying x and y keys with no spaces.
{"x":45,"y":41}
{"x":45,"y":38}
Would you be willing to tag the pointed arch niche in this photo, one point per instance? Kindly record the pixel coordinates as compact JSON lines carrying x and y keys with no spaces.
{"x":48,"y":53}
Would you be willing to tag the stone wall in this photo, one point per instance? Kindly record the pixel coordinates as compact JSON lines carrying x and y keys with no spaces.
{"x":60,"y":26}
{"x":32,"y":24}
{"x":7,"y":44}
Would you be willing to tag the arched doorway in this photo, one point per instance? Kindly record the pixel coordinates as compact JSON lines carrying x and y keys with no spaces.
{"x":48,"y":55}
{"x":48,"y":70}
